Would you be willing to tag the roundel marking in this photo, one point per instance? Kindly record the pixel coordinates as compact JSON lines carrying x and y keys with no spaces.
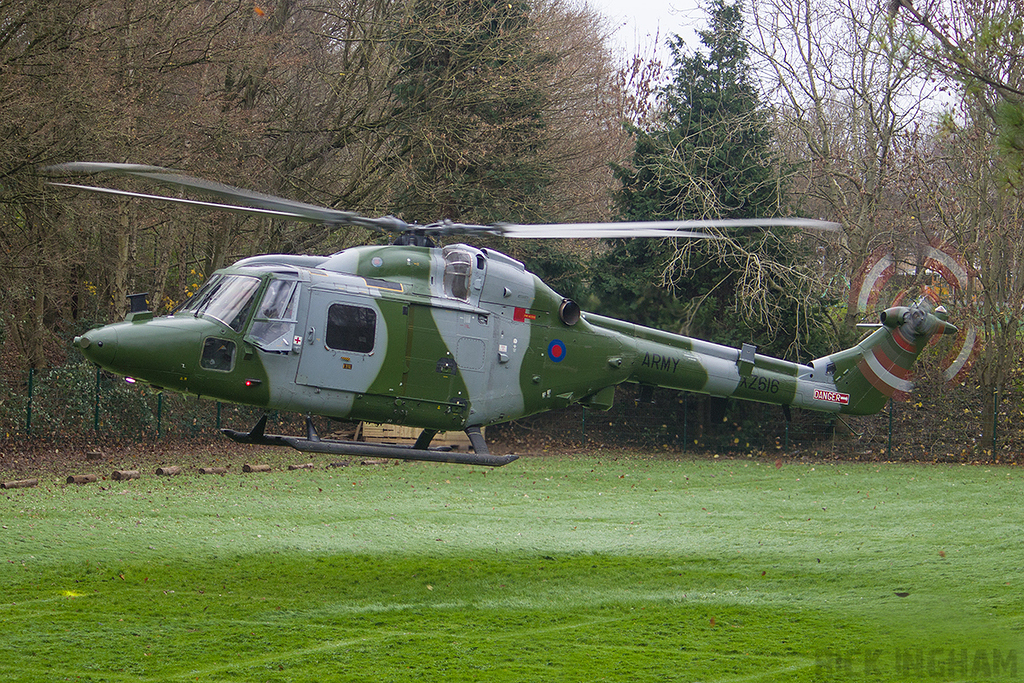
{"x":556,"y":350}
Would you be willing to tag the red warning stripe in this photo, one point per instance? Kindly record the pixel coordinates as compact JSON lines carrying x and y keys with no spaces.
{"x":874,"y":379}
{"x":890,"y":364}
{"x":903,"y":342}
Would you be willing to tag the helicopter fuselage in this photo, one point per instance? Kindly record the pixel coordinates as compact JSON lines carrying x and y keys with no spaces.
{"x":440,"y":338}
{"x":449,"y":338}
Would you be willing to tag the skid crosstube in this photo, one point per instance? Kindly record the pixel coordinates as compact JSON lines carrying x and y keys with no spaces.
{"x":314,"y":444}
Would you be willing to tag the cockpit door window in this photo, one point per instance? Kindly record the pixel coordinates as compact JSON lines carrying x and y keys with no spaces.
{"x":273,"y":327}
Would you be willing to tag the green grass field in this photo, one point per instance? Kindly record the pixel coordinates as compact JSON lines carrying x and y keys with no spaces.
{"x":602,"y":568}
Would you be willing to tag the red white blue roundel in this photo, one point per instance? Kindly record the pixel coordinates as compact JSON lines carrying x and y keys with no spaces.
{"x":556,"y":350}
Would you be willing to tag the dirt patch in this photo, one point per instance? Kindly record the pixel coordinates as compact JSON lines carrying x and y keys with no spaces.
{"x":37,"y":458}
{"x":40,"y":458}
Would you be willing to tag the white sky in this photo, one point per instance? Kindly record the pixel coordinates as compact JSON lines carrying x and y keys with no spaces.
{"x":640,"y":22}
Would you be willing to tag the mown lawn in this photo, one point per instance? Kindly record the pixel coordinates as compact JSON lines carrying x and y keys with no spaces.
{"x":610,"y":567}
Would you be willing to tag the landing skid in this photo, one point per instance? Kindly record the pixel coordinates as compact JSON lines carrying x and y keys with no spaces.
{"x":419,"y":451}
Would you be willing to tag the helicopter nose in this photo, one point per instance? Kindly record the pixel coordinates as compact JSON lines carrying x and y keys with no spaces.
{"x":99,"y":345}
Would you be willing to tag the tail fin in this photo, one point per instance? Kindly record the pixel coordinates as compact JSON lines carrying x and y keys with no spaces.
{"x":879,"y":367}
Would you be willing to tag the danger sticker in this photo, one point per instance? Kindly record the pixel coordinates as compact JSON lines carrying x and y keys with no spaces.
{"x":831,"y":396}
{"x":520,"y":315}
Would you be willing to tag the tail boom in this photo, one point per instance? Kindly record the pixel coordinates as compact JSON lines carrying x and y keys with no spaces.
{"x":859,"y":380}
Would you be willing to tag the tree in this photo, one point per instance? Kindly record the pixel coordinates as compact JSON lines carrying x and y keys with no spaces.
{"x":708,"y":155}
{"x":38,"y":117}
{"x":327,"y":106}
{"x":849,"y":95}
{"x":587,"y":99}
{"x":299,"y":98}
{"x":469,"y":92}
{"x":971,"y":185}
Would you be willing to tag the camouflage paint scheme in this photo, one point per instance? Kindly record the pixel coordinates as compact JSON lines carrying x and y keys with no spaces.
{"x":464,"y":337}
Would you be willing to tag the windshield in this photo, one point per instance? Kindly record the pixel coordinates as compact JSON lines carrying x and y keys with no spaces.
{"x":226,"y":298}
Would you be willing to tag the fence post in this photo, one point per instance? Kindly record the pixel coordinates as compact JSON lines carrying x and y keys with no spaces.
{"x":28,"y":408}
{"x":583,"y":427}
{"x":96,"y":404}
{"x":890,"y":430}
{"x":685,"y":435}
{"x":995,"y":421}
{"x":159,"y":412}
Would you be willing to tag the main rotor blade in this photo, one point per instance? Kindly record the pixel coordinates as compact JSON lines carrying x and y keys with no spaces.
{"x":191,"y":202}
{"x":595,"y":230}
{"x":243,"y":201}
{"x":248,"y":201}
{"x":683,"y":228}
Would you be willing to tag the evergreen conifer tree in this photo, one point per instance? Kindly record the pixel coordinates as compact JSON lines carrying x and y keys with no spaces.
{"x":471,"y":79}
{"x":708,"y":154}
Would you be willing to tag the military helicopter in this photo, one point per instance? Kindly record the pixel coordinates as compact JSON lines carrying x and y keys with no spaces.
{"x":448,"y":337}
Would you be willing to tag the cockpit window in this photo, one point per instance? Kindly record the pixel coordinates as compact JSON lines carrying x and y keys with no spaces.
{"x":227,"y":298}
{"x":218,"y":354}
{"x":273,"y":328}
{"x":458,"y":266}
{"x":279,"y":301}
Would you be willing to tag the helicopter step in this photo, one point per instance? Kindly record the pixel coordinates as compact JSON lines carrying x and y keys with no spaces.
{"x":419,"y":451}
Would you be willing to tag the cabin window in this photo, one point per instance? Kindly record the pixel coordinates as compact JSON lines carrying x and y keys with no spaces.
{"x":458,"y":265}
{"x":218,"y":354}
{"x":351,"y":328}
{"x":273,"y":328}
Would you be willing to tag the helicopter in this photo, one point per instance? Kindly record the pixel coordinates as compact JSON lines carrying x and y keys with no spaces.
{"x":452,"y":337}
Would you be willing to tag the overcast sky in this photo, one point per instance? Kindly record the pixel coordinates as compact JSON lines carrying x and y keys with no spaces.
{"x":640,"y":21}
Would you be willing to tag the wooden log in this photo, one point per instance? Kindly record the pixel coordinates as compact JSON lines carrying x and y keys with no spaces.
{"x":255,"y":468}
{"x":213,"y":470}
{"x":124,"y":475}
{"x":168,"y":471}
{"x":94,"y":455}
{"x":303,"y":466}
{"x":81,"y":478}
{"x":20,"y":484}
{"x":373,"y":462}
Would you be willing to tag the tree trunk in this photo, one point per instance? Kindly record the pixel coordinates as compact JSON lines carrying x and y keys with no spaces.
{"x":122,"y":259}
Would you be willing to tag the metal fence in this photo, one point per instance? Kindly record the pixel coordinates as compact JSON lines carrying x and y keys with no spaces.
{"x":928,"y":426}
{"x":83,"y":400}
{"x":932,"y":424}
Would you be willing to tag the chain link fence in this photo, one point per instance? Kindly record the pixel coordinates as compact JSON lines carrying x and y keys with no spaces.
{"x":936,"y":423}
{"x":932,"y":424}
{"x":81,"y":401}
